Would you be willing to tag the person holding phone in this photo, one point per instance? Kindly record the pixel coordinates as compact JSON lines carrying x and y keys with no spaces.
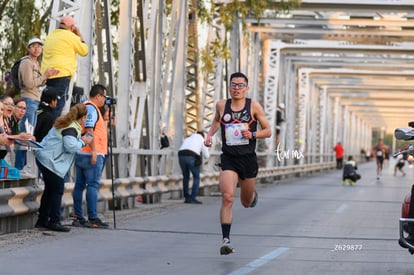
{"x":60,"y":49}
{"x":54,"y":160}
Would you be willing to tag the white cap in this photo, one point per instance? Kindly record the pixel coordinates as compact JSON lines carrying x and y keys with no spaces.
{"x":34,"y":40}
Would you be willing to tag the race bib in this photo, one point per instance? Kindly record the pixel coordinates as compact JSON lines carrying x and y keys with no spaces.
{"x":379,"y":153}
{"x":234,"y":135}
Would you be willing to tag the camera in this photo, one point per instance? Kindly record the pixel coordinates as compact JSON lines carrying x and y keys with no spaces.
{"x":411,"y":124}
{"x":110,"y":100}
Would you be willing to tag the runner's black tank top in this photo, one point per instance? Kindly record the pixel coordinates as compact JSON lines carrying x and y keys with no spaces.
{"x":231,"y":125}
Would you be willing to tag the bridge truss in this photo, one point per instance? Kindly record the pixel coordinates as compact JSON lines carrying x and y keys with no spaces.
{"x":342,"y":70}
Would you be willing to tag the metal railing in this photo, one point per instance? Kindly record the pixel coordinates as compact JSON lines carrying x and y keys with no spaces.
{"x":19,"y":205}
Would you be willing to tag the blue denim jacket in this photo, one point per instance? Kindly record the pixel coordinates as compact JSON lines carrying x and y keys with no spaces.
{"x":58,"y":152}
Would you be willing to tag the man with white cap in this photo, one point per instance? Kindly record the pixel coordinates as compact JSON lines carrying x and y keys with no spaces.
{"x":60,"y":49}
{"x":30,"y":78}
{"x":30,"y":81}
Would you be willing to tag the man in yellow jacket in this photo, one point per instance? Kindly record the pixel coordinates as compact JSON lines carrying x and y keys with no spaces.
{"x":59,"y":51}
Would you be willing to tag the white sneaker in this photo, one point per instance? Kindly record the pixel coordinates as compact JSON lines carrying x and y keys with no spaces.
{"x":226,"y":247}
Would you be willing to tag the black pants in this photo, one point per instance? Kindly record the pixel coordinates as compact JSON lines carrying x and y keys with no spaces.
{"x":51,"y":201}
{"x":339,"y":163}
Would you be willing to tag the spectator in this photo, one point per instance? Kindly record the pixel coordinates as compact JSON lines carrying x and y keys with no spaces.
{"x":55,"y":159}
{"x":89,"y":162}
{"x":18,"y":113}
{"x":30,"y":80}
{"x":8,"y":109}
{"x":3,"y":136}
{"x":242,"y":121}
{"x":190,"y":157}
{"x":8,"y":104}
{"x":339,"y":155}
{"x":45,"y":117}
{"x":401,"y":158}
{"x":280,"y":118}
{"x":60,"y":49}
{"x":2,"y":124}
{"x":350,"y":173}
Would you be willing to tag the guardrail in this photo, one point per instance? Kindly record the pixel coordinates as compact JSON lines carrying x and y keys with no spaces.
{"x":19,"y":205}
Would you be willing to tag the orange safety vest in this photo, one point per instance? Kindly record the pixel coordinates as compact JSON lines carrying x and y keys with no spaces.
{"x":100,"y":134}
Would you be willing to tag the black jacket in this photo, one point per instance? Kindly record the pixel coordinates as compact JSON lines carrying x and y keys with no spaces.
{"x":45,"y":120}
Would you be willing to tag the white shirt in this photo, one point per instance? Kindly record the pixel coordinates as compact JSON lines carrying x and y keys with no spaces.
{"x":195,"y":143}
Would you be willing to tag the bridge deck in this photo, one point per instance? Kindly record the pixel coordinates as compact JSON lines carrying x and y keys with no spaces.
{"x":307,"y":225}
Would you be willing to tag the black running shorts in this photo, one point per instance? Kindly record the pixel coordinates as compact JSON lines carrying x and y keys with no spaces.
{"x":245,"y":166}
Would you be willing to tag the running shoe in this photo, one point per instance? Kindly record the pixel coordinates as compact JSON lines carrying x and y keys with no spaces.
{"x":79,"y":222}
{"x":58,"y":227}
{"x":97,"y":223}
{"x":226,"y":247}
{"x":254,"y":202}
{"x":40,"y":225}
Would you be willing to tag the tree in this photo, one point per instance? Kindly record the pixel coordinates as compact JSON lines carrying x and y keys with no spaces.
{"x":232,"y":12}
{"x":20,"y":20}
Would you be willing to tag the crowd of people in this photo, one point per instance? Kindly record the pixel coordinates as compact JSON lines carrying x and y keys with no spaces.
{"x":77,"y":137}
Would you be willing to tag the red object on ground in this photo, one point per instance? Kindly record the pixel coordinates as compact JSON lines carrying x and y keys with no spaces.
{"x":406,"y":206}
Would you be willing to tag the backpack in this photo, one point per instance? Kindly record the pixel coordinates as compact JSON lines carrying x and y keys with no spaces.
{"x":165,"y":143}
{"x":7,"y":171}
{"x":14,"y":73}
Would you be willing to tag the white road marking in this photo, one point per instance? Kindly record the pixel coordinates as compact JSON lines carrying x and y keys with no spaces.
{"x":252,"y":266}
{"x":342,"y":208}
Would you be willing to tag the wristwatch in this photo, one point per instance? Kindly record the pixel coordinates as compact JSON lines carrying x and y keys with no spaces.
{"x":253,"y":135}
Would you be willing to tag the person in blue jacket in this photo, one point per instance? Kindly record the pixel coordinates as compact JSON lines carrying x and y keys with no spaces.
{"x":54,"y":160}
